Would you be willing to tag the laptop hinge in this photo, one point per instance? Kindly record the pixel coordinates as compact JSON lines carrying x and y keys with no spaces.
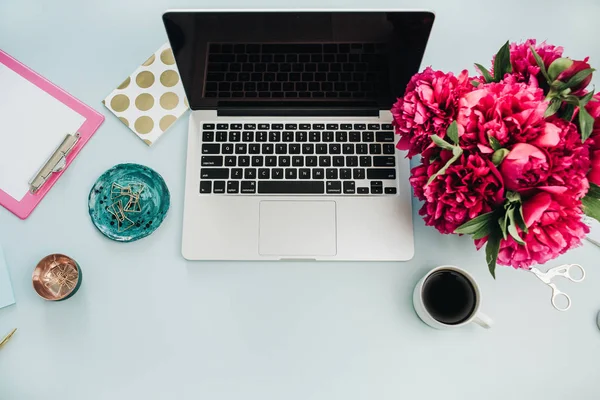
{"x":246,"y":109}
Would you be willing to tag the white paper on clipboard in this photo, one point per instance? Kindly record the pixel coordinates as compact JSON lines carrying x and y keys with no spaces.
{"x":32,"y":125}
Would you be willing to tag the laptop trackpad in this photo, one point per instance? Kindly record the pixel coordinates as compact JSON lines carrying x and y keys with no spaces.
{"x":297,"y":228}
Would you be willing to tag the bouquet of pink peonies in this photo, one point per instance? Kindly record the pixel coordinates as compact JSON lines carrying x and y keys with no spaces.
{"x":510,"y":157}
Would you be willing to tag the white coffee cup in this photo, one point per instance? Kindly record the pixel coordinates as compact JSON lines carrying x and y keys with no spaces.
{"x":476,"y":316}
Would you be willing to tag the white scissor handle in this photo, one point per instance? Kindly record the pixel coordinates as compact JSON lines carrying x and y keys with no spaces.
{"x":568,"y":274}
{"x":557,"y":293}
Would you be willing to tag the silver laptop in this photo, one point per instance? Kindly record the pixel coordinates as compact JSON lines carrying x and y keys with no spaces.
{"x":291,"y":151}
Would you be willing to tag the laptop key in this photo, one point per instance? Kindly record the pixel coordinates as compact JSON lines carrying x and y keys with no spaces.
{"x":318,"y":127}
{"x":211,"y":148}
{"x":373,"y":127}
{"x":308,"y":148}
{"x":208,"y":126}
{"x":278,"y":127}
{"x":388,"y":148}
{"x":375,"y":148}
{"x":298,"y":161}
{"x":248,"y":136}
{"x":345,"y":173}
{"x":274,"y":136}
{"x":384,"y":137}
{"x":334,"y":148}
{"x":305,"y":126}
{"x":291,"y":173}
{"x":241,"y":148}
{"x":338,"y":161}
{"x":281,"y":148}
{"x":354,"y":136}
{"x":208,"y":136}
{"x":248,"y":187}
{"x":331,"y":173}
{"x":390,"y":190}
{"x":277,"y":173}
{"x":368,"y":137}
{"x":264,"y":126}
{"x":301,"y":136}
{"x":227,"y":148}
{"x":243,"y":161}
{"x":230,"y":161}
{"x":341,"y":136}
{"x":365,"y":161}
{"x":384,"y":161}
{"x":219,"y":187}
{"x":314,"y":136}
{"x":311,"y":161}
{"x":352,"y":161}
{"x":264,"y":173}
{"x":221,"y":136}
{"x":235,"y":126}
{"x":254,"y":148}
{"x":249,"y":126}
{"x":205,"y":187}
{"x":334,"y":187}
{"x":360,"y":127}
{"x":321,"y":148}
{"x":387,"y":127}
{"x":287,"y":187}
{"x":324,"y":161}
{"x":294,"y":148}
{"x":381,"y":173}
{"x":257,"y":161}
{"x":222,"y":126}
{"x":250,"y":173}
{"x":358,"y":173}
{"x":268,"y":148}
{"x":291,"y":126}
{"x":233,"y":187}
{"x":214,"y":173}
{"x":261,"y":136}
{"x":349,"y":187}
{"x":346,"y":126}
{"x":304,"y":173}
{"x":362,"y":190}
{"x":284,"y":161}
{"x":271,"y":161}
{"x":212,"y":161}
{"x":328,"y":136}
{"x":318,"y":173}
{"x":333,"y":127}
{"x":237,"y":173}
{"x":362,"y":148}
{"x":234,"y":136}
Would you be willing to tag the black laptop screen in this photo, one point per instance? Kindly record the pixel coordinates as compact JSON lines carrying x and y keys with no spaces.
{"x":275,"y":58}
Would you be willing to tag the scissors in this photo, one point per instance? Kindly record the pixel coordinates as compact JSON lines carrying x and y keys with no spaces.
{"x":561,"y":270}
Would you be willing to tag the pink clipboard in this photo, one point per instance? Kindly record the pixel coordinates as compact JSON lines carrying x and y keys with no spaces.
{"x":23,"y":207}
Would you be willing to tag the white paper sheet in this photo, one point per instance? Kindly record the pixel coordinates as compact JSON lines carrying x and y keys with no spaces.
{"x":32,"y":126}
{"x":6,"y":293}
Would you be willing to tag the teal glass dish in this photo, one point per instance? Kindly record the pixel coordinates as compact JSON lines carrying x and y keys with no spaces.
{"x":129,"y":202}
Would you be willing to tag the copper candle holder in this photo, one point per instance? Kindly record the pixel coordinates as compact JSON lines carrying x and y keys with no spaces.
{"x":56,"y":277}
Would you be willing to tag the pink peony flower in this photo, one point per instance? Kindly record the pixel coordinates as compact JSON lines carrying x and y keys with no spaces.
{"x":524,"y":65}
{"x":509,"y":112}
{"x":525,"y":167}
{"x":470,"y":187}
{"x":569,"y":160}
{"x":554,"y":226}
{"x":576,"y":67}
{"x":429,"y":105}
{"x":593,"y":107}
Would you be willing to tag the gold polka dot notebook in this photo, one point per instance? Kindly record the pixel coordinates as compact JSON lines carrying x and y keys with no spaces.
{"x":151,"y":99}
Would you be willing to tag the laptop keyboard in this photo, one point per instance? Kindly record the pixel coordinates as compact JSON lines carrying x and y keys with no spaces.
{"x":298,"y":158}
{"x":296,"y":70}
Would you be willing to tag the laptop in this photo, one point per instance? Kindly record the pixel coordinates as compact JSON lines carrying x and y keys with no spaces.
{"x":291,"y":149}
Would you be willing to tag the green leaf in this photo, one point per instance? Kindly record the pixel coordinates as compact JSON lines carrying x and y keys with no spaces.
{"x":491,"y":251}
{"x":520,"y":220}
{"x":483,"y":232}
{"x":452,"y":132}
{"x":494,"y":143}
{"x":476,"y":223}
{"x":567,"y":112}
{"x":586,"y":123}
{"x":502,"y":62}
{"x":512,"y":227}
{"x":486,"y":74}
{"x":540,"y":63}
{"x":552,"y":107}
{"x":503,"y":222}
{"x":499,"y":156}
{"x":575,"y":79}
{"x":441,"y":142}
{"x":475,"y":83}
{"x":457,"y":151}
{"x":594,"y":191}
{"x":591,"y":207}
{"x":558,"y":66}
{"x":586,"y":99}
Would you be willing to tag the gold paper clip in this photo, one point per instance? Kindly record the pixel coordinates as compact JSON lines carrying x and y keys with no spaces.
{"x":118,"y":191}
{"x":123,"y":223}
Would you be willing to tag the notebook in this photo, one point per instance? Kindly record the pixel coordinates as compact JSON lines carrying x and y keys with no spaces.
{"x":6,"y":293}
{"x":35,"y":118}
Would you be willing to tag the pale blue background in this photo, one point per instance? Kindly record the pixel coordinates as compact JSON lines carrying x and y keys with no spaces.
{"x":146,"y":324}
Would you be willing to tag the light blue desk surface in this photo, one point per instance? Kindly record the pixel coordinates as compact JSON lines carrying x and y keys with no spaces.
{"x":147,"y":324}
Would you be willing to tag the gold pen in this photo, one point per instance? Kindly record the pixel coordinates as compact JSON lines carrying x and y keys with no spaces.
{"x":7,"y":338}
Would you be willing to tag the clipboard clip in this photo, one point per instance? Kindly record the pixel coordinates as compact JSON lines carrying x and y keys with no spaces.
{"x":55,"y":163}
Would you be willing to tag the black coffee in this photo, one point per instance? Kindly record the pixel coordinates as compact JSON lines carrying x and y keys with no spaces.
{"x":449,"y":297}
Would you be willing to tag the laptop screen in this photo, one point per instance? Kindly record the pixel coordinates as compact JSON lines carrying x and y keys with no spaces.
{"x":315,"y":58}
